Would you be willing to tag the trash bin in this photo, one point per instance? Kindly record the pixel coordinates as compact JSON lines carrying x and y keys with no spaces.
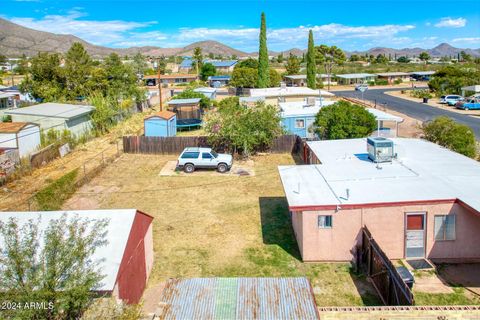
{"x":407,"y":277}
{"x":425,"y":100}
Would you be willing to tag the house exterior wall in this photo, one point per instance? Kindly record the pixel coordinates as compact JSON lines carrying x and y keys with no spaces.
{"x":354,"y":80}
{"x":159,"y":127}
{"x":8,"y":140}
{"x":392,"y":79}
{"x":28,"y":140}
{"x":137,"y":261}
{"x":293,"y":98}
{"x":387,"y":225}
{"x":79,"y":125}
{"x":289,"y":124}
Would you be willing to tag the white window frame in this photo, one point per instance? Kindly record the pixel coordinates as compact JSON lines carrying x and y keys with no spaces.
{"x":303,"y":121}
{"x":324,"y":226}
{"x":444,"y":217}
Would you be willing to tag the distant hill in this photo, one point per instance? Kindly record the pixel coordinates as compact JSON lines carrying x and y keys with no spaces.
{"x":16,"y":40}
{"x":441,"y":50}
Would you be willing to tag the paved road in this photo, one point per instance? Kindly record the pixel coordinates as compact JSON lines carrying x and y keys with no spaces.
{"x":415,"y":110}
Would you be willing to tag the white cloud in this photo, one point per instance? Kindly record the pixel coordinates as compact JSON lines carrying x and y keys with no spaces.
{"x":468,"y":40}
{"x":451,"y":23}
{"x":96,"y":32}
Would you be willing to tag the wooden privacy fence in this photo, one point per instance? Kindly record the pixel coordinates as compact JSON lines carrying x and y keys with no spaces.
{"x":384,"y":276}
{"x":175,"y":145}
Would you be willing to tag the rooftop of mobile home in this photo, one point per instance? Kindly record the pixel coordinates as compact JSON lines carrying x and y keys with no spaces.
{"x":355,"y":75}
{"x":421,"y":172}
{"x":53,"y":110}
{"x":288,"y":91}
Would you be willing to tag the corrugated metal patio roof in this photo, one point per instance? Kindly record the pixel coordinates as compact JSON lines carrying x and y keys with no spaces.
{"x":237,"y":298}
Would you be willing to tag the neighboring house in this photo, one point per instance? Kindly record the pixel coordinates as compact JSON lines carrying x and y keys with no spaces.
{"x":418,"y":199}
{"x":471,"y":90}
{"x":237,"y":298}
{"x":23,"y":136}
{"x":218,"y":81}
{"x":8,"y":100}
{"x":250,"y":101}
{"x":276,"y":95}
{"x":220,"y":65}
{"x":300,"y":80}
{"x":169,"y":79}
{"x":391,"y":77}
{"x":298,"y":117}
{"x":127,"y":258}
{"x":354,"y":78}
{"x":161,"y":124}
{"x":422,"y":75}
{"x":210,"y":93}
{"x":56,"y":116}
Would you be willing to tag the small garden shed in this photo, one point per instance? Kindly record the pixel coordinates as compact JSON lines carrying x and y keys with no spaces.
{"x":161,"y":124}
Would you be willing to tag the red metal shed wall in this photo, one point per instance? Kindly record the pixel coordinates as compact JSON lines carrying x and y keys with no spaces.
{"x":132,"y":276}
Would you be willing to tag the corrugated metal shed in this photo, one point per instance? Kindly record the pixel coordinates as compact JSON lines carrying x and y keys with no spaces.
{"x":238,"y":298}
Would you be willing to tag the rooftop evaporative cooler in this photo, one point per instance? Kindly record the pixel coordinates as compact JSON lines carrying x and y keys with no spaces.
{"x":380,"y":149}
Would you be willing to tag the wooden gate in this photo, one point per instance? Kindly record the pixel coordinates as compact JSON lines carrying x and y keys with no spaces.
{"x":384,"y":276}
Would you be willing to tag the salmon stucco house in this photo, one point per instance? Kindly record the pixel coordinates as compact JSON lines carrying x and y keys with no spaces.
{"x":419,"y":200}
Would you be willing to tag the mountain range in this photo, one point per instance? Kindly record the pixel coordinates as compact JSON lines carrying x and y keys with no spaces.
{"x":16,"y":40}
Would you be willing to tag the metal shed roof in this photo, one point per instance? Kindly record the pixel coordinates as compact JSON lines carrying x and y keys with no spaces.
{"x":393,"y":74}
{"x":422,"y":171}
{"x":355,"y":75}
{"x":118,"y":230}
{"x":213,"y":78}
{"x":288,"y":91}
{"x":384,"y":116}
{"x":53,"y":110}
{"x":184,"y":101}
{"x":423,"y":73}
{"x":237,"y":298}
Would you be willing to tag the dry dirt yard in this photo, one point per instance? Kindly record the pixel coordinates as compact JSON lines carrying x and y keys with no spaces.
{"x":218,"y":225}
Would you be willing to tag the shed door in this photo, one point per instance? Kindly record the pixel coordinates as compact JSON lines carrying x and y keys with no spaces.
{"x":415,"y":235}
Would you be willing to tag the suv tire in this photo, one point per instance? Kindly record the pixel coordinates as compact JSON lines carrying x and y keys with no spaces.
{"x":222,"y":168}
{"x":188,"y":168}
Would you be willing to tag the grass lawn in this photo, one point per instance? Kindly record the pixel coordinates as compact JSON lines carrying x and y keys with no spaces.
{"x":212,"y":225}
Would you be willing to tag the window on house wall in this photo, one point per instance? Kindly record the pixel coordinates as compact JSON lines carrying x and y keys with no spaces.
{"x":299,"y":123}
{"x":324,"y":221}
{"x":444,"y":227}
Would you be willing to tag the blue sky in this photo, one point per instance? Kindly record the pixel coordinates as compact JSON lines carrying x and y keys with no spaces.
{"x":351,"y":25}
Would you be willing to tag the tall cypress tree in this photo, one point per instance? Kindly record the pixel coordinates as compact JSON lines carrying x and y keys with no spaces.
{"x":263,"y":72}
{"x":311,"y":68}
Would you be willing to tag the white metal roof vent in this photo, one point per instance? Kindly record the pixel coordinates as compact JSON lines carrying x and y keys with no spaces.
{"x":380,"y":149}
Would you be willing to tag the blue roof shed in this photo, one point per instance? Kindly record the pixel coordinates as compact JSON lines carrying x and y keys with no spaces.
{"x":161,"y":124}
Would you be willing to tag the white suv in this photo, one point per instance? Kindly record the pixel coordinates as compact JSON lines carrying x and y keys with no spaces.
{"x":192,"y":158}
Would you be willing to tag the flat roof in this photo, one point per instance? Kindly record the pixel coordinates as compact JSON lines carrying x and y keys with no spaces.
{"x":423,"y":73}
{"x":355,"y":75}
{"x":4,"y":95}
{"x":110,"y":256}
{"x":224,"y":77}
{"x":184,"y":101}
{"x":475,"y":88}
{"x":54,"y":110}
{"x":423,"y":171}
{"x":384,"y":116}
{"x":237,"y":298}
{"x":304,"y":76}
{"x":169,"y":76}
{"x":288,"y":91}
{"x":390,"y":74}
{"x":300,"y":108}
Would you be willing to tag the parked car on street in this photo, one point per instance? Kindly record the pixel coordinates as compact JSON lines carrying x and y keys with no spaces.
{"x":206,"y":158}
{"x":469,"y":104}
{"x":451,"y":98}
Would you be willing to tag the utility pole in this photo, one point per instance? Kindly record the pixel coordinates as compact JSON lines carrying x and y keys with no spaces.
{"x":159,"y":86}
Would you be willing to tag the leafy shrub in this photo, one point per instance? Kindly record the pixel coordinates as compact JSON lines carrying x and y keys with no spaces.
{"x":420,"y":94}
{"x":56,"y":193}
{"x":398,"y":81}
{"x":452,"y":135}
{"x":344,"y":120}
{"x":381,"y":82}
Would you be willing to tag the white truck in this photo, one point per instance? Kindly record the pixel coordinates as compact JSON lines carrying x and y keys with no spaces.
{"x":205,"y":158}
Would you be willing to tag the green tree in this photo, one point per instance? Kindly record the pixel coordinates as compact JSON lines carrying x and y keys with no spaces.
{"x":207,"y":70}
{"x":354,"y":57}
{"x":189,"y":94}
{"x":452,"y":135}
{"x":424,"y":56}
{"x":293,"y":65}
{"x":329,"y":57}
{"x":3,"y":59}
{"x":197,"y":59}
{"x":263,"y":71}
{"x":121,"y":79}
{"x":46,"y":80}
{"x":451,"y":79}
{"x":241,"y":129}
{"x":275,"y":78}
{"x":244,"y":77}
{"x":103,"y":117}
{"x":381,"y":59}
{"x":403,"y":59}
{"x":55,"y":268}
{"x":465,"y":56}
{"x":139,"y":64}
{"x":22,"y":65}
{"x":344,"y":120}
{"x":280,"y":58}
{"x":311,"y":66}
{"x":247,"y":63}
{"x":77,"y":71}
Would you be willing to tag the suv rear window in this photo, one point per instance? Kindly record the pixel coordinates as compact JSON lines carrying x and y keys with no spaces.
{"x":190,"y":155}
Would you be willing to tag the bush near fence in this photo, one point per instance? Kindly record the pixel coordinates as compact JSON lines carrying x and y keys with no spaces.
{"x":175,"y":145}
